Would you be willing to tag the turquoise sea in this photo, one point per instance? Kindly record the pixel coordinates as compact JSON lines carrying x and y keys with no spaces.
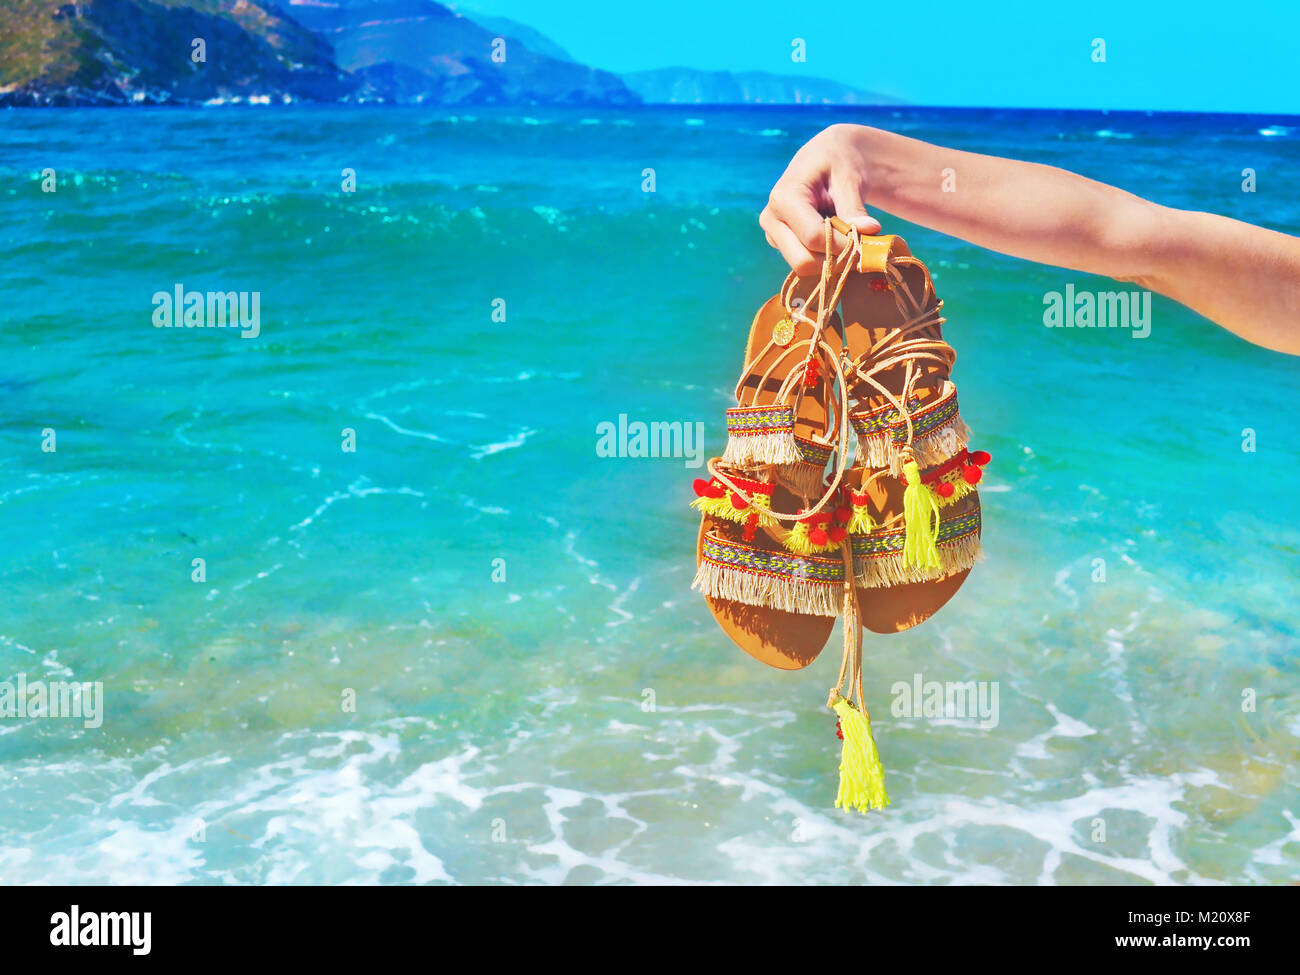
{"x":358,"y":691}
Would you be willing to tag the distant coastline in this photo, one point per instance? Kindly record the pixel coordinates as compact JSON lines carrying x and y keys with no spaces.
{"x":121,"y":53}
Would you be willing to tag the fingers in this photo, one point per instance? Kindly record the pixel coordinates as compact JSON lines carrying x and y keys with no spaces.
{"x":820,"y":180}
{"x":849,"y":197}
{"x":827,"y":175}
{"x":794,"y":225}
{"x":801,"y":260}
{"x":794,"y":206}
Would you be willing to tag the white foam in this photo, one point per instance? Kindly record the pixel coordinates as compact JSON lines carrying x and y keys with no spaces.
{"x":512,"y":442}
{"x":423,"y":434}
{"x":355,"y":490}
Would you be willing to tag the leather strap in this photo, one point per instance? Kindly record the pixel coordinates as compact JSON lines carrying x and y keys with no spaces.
{"x":879,"y":252}
{"x":876,"y":253}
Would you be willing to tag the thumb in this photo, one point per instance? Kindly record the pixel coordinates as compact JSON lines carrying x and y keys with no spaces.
{"x":864,"y":222}
{"x":850,"y":207}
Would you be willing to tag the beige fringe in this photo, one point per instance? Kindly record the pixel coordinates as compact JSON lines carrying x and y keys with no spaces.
{"x":791,"y":596}
{"x":877,"y":450}
{"x":934,"y":448}
{"x":766,"y":448}
{"x":930,"y":451}
{"x":954,"y":556}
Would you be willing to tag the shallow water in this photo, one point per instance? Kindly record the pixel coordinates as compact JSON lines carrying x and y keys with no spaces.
{"x":584,"y":720}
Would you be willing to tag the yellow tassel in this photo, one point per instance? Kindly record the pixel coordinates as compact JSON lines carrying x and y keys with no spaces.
{"x":862,"y":780}
{"x":723,"y":508}
{"x":861,"y":523}
{"x":921,"y":521}
{"x":797,"y":539}
{"x":763,"y":505}
{"x":717,"y":507}
{"x":961,"y":488}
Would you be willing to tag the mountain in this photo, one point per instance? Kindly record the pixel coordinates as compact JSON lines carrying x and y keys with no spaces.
{"x":382,"y":39}
{"x":532,"y":39}
{"x":121,"y":52}
{"x":666,"y":86}
{"x":125,"y":52}
{"x":691,"y":86}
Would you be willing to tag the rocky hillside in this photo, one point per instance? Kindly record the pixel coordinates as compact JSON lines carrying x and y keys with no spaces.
{"x":532,"y":39}
{"x":127,"y":52}
{"x":121,"y":52}
{"x":383,"y":39}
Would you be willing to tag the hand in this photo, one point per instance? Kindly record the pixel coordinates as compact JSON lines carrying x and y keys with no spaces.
{"x":827,"y":176}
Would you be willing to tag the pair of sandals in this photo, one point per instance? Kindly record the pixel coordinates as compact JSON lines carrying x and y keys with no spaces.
{"x":853,"y":358}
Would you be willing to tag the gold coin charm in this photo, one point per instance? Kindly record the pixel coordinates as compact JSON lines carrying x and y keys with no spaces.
{"x":783,"y":333}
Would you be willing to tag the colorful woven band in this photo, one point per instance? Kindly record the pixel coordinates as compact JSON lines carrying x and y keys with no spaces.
{"x":953,"y":464}
{"x":814,"y":453}
{"x":746,"y":484}
{"x":889,"y":542}
{"x":926,"y":417}
{"x":776,"y":565}
{"x":756,"y":421}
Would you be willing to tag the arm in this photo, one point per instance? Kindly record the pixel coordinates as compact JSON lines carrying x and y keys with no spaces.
{"x":1243,"y":277}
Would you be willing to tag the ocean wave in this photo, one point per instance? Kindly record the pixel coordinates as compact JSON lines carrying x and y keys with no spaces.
{"x":351,"y":807}
{"x":515,"y":440}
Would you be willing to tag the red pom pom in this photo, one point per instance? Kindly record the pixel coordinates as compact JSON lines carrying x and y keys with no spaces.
{"x":837,"y":534}
{"x":839,"y":732}
{"x":818,"y":536}
{"x":944,"y":489}
{"x":751,"y":526}
{"x":843,"y":515}
{"x":701,"y":486}
{"x":737,"y":502}
{"x":981,"y":457}
{"x":821,"y":518}
{"x":812,"y":373}
{"x":972,"y":474}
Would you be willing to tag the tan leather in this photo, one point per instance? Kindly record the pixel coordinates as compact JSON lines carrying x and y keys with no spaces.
{"x":786,"y":641}
{"x":840,"y":227}
{"x":878,"y":252}
{"x":871,"y":323}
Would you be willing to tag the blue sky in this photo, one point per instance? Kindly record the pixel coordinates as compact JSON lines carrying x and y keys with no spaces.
{"x":1192,"y":56}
